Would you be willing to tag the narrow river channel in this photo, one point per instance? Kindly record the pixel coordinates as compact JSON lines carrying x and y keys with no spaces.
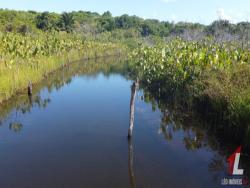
{"x":73,"y":133}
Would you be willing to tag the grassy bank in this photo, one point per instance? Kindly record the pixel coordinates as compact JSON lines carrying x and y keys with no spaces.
{"x":33,"y":57}
{"x":211,"y":78}
{"x":21,"y":103}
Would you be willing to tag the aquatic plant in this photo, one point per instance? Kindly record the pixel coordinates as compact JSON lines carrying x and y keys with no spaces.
{"x":215,"y":76}
{"x":33,"y":57}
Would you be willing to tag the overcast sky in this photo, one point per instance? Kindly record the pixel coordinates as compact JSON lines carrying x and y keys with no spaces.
{"x":169,"y":10}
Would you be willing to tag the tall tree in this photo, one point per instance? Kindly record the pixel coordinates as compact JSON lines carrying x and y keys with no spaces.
{"x":67,"y":21}
{"x":43,"y":21}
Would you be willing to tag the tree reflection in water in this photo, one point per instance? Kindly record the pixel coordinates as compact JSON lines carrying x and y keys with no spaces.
{"x":26,"y":107}
{"x":15,"y":126}
{"x":22,"y":104}
{"x":217,"y":166}
{"x":198,"y":131}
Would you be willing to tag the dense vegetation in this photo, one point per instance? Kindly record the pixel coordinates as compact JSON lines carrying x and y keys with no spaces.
{"x":31,"y":58}
{"x":23,"y":104}
{"x":187,"y":70}
{"x":101,"y":26}
{"x":208,"y":77}
{"x":210,"y":63}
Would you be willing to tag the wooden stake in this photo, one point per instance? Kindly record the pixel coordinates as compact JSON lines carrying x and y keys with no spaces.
{"x":30,"y":88}
{"x":132,"y":108}
{"x":131,"y":164}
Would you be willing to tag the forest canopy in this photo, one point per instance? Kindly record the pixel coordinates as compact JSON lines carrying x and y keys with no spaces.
{"x":91,"y":23}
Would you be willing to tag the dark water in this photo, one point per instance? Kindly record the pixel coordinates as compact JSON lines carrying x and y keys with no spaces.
{"x":73,"y":133}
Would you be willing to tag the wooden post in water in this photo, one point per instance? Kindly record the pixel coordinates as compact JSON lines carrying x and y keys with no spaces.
{"x":132,"y":107}
{"x":131,"y":164}
{"x":30,"y":88}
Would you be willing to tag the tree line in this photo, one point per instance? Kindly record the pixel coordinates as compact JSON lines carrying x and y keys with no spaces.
{"x":94,"y":23}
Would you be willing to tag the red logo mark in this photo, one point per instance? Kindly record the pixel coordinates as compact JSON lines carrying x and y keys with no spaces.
{"x":233,"y":160}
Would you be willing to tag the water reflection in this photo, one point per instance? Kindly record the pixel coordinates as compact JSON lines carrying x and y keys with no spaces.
{"x":198,"y":132}
{"x":88,"y":145}
{"x":217,"y":167}
{"x":22,"y":103}
{"x":15,"y":126}
{"x":131,"y":171}
{"x":132,"y":179}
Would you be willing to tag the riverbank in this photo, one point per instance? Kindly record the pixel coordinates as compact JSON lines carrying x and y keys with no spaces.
{"x":57,"y":79}
{"x":210,"y":78}
{"x":27,"y":59}
{"x":78,"y":118}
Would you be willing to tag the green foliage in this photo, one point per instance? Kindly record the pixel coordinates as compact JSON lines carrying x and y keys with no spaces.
{"x":216,"y":74}
{"x":91,"y":23}
{"x":67,"y":22}
{"x":182,"y":62}
{"x":47,"y":21}
{"x":106,"y":22}
{"x":29,"y":57}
